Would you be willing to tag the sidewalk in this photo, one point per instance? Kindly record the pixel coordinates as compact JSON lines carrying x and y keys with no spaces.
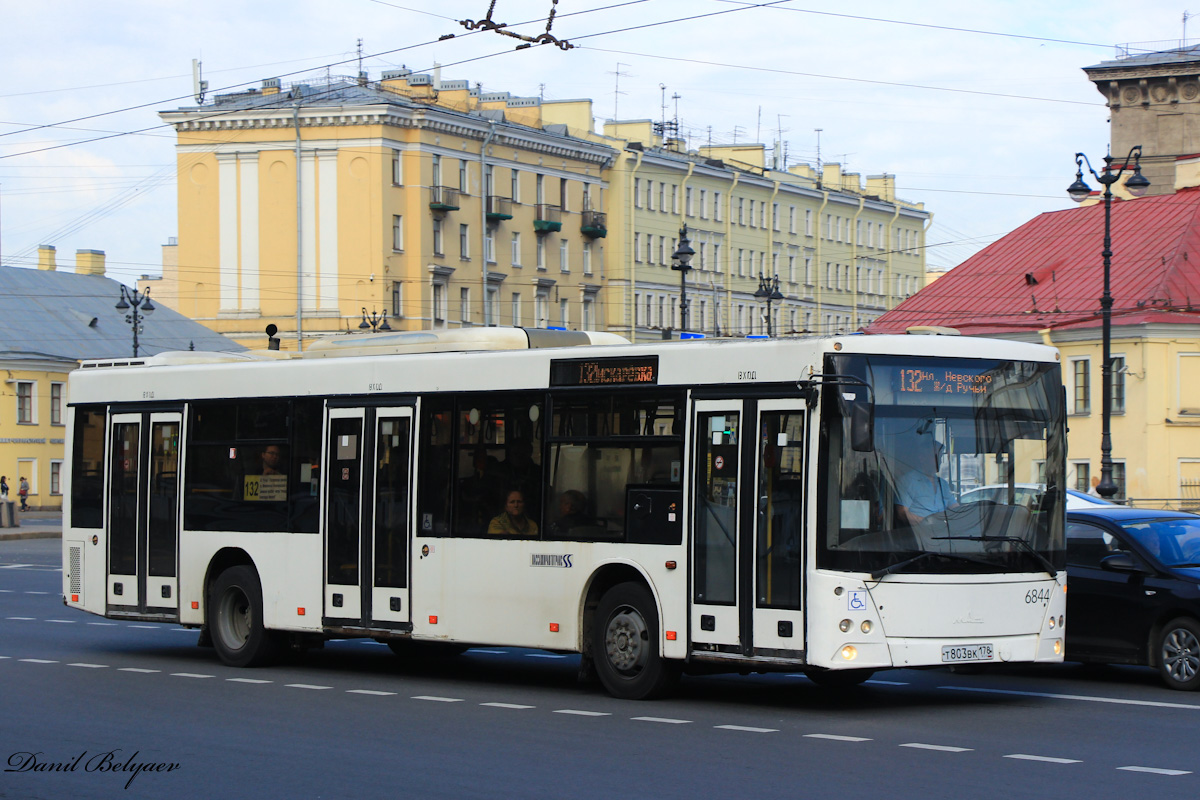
{"x":35,"y":525}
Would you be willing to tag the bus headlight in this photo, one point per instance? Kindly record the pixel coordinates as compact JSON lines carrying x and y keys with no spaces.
{"x":849,"y":652}
{"x":1058,"y":647}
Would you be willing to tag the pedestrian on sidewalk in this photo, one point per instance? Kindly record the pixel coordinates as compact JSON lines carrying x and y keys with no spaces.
{"x":24,"y":493}
{"x":3,"y":488}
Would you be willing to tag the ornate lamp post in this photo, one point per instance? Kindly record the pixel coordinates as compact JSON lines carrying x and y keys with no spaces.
{"x":683,"y":264}
{"x":1080,"y":191}
{"x":377,"y":322}
{"x":132,"y":301}
{"x":768,"y":289}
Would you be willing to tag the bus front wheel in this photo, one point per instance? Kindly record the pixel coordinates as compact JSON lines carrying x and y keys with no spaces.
{"x":625,"y":644}
{"x":235,"y":619}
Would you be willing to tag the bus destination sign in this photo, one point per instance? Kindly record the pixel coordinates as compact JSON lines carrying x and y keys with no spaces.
{"x":636,"y":371}
{"x":942,"y":380}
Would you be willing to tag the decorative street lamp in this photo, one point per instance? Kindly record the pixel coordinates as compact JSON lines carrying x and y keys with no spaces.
{"x":768,"y":289}
{"x":683,"y":264}
{"x":132,"y":301}
{"x":376,"y":323}
{"x":1136,"y":185}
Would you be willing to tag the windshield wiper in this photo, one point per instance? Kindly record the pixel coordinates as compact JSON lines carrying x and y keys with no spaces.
{"x":1046,"y":563}
{"x":877,"y":574}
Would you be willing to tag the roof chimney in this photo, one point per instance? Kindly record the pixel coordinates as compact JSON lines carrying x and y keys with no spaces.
{"x":46,"y":257}
{"x":89,"y":262}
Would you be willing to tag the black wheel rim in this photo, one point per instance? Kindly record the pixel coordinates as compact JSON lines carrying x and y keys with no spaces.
{"x":626,"y":641}
{"x":234,"y":618}
{"x":1181,"y":655}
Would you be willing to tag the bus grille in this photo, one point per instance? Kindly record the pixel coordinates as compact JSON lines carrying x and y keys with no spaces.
{"x":75,"y":555}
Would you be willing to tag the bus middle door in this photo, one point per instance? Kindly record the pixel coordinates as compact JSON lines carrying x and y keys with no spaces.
{"x":368,"y":479}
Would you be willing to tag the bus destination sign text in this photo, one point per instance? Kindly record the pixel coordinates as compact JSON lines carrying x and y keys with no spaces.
{"x":945,"y":381}
{"x":605,"y":371}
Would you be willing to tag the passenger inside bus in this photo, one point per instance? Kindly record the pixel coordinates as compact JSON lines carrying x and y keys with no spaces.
{"x":572,"y":510}
{"x":920,"y":490}
{"x":512,"y":521}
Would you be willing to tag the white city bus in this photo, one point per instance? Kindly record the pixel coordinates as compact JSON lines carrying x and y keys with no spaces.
{"x":740,"y":505}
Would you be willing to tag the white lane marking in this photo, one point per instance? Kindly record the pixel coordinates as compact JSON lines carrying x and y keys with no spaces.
{"x":833,"y":737}
{"x":64,"y":621}
{"x":370,"y":692}
{"x":1156,"y":771}
{"x":1047,"y":759}
{"x":144,"y":627}
{"x":579,"y":713}
{"x":305,"y":686}
{"x":247,"y":680}
{"x":3,"y":658}
{"x":89,"y":666}
{"x":21,"y":619}
{"x":104,"y":624}
{"x":16,"y":566}
{"x":489,"y":652}
{"x":543,"y":655}
{"x":438,"y":699}
{"x":507,"y":705}
{"x":939,"y":747}
{"x":138,"y":669}
{"x":6,"y":591}
{"x":1088,"y":698}
{"x":181,"y":630}
{"x":37,"y":661}
{"x":666,"y":720}
{"x":190,"y":675}
{"x":37,"y":593}
{"x":746,"y":729}
{"x":887,"y":683}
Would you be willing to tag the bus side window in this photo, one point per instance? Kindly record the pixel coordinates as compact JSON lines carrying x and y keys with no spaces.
{"x":435,"y":467}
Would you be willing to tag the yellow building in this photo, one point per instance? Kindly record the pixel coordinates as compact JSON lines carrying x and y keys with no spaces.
{"x":414,"y":202}
{"x":843,"y":253}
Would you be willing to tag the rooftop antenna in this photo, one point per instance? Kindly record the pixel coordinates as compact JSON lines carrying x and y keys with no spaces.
{"x":541,"y":91}
{"x":736,"y":130}
{"x":617,"y":86}
{"x":667,"y":129}
{"x":199,"y":87}
{"x":818,"y":131}
{"x":360,"y":58}
{"x":758,"y":127}
{"x":1186,"y":17}
{"x":780,"y":148}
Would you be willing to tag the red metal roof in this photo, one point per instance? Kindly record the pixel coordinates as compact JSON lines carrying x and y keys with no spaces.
{"x":1155,"y":272}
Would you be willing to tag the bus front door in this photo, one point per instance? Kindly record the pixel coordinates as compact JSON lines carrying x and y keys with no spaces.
{"x":367,"y":484}
{"x":748,"y":527}
{"x":143,"y":514}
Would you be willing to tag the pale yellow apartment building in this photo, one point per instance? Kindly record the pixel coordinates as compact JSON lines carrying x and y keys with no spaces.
{"x":424,"y":203}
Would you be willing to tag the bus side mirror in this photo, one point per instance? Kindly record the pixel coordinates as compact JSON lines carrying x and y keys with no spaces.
{"x":862,"y":427}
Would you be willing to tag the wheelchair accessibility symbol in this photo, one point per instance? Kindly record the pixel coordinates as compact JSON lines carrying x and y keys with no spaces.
{"x":857,"y":600}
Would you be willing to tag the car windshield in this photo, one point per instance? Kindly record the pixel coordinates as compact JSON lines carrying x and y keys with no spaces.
{"x":962,"y":471}
{"x":1174,"y":541}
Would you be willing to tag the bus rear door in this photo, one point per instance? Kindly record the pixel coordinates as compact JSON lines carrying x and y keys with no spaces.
{"x":143,"y":514}
{"x":367,"y":485}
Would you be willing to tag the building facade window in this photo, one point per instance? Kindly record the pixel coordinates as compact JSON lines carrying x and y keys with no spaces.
{"x":397,"y":232}
{"x":437,"y":237}
{"x":464,"y":241}
{"x":687,"y":200}
{"x":541,"y":252}
{"x":439,"y":305}
{"x":564,"y":256}
{"x":717,"y":215}
{"x":587,"y":258}
{"x":57,"y":394}
{"x":463,"y":185}
{"x":397,"y":169}
{"x":1082,"y":479}
{"x":464,"y":306}
{"x":515,"y":186}
{"x":516,"y":309}
{"x":489,"y":246}
{"x":704,"y":204}
{"x":1118,"y":384}
{"x":1082,"y":394}
{"x":56,"y":476}
{"x":637,"y":247}
{"x":26,"y":406}
{"x":516,"y":249}
{"x":808,"y":222}
{"x":637,"y":192}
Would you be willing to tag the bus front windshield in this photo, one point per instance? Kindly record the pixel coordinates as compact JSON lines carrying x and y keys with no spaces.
{"x":938,"y":465}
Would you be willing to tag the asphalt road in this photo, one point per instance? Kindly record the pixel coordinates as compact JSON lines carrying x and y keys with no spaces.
{"x":138,"y":710}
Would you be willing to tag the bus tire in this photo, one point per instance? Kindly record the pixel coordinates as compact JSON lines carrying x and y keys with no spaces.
{"x":838,"y":678}
{"x":625,"y":644}
{"x":235,"y":610}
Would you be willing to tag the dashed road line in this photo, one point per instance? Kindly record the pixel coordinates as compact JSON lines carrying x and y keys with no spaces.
{"x":665,"y":720}
{"x":4,"y":658}
{"x":515,"y":706}
{"x":21,"y":619}
{"x":190,"y":675}
{"x":1047,"y":759}
{"x":1084,"y":697}
{"x":6,"y":591}
{"x":581,"y":713}
{"x":544,"y":655}
{"x":305,"y":686}
{"x":144,"y":627}
{"x":104,"y":624}
{"x":37,"y":593}
{"x":1156,"y":770}
{"x":372,"y":692}
{"x":746,"y":729}
{"x":942,"y":748}
{"x":88,"y":666}
{"x":833,"y":737}
{"x":138,"y":670}
{"x":38,"y":661}
{"x":248,"y":680}
{"x":16,"y":566}
{"x":435,"y":699}
{"x":63,"y":621}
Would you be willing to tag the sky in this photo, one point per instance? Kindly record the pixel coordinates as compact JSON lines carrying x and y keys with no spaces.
{"x":977,"y":108}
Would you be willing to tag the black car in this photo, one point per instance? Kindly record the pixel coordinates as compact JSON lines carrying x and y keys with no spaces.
{"x":1133,"y":590}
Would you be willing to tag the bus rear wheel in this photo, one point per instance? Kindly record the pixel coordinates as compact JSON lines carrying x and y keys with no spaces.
{"x":625,"y":644}
{"x":235,"y":619}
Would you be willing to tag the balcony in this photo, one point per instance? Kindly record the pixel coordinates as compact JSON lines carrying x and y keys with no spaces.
{"x":498,"y":208}
{"x":547,"y":219}
{"x":595,"y":224}
{"x":443,"y":198}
